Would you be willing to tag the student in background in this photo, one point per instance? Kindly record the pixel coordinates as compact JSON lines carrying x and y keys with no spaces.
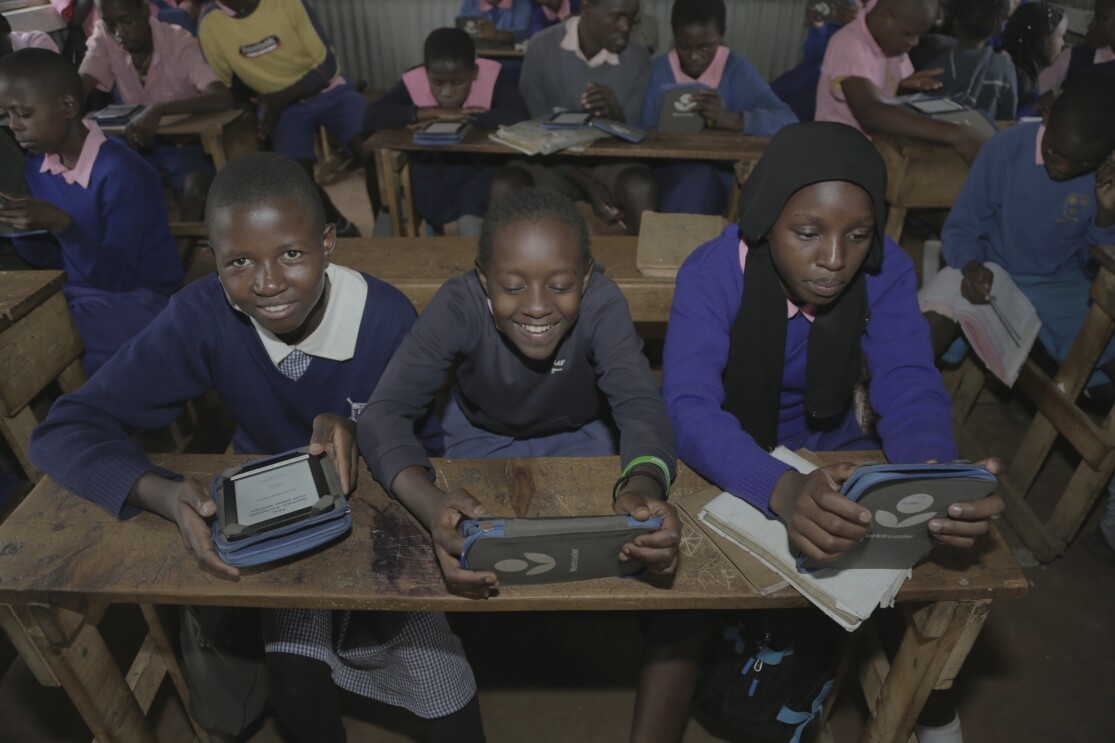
{"x":546,"y":13}
{"x":1097,"y":53}
{"x":13,"y":41}
{"x":452,"y":85}
{"x":279,"y":53}
{"x":768,"y":325}
{"x":143,"y":60}
{"x":547,"y":364}
{"x":866,"y":65}
{"x":99,"y":204}
{"x":588,"y":63}
{"x":507,"y":22}
{"x":798,"y":87}
{"x":974,"y":74}
{"x":292,"y":344}
{"x":736,"y":98}
{"x":1034,"y":36}
{"x":1035,"y":200}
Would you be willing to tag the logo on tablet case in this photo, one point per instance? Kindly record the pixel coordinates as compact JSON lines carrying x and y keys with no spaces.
{"x":915,"y":504}
{"x":685,"y":103}
{"x":542,"y":564}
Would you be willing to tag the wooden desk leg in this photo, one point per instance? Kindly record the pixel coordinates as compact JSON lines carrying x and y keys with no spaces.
{"x":157,"y":634}
{"x":933,"y":648}
{"x":896,"y":222}
{"x":408,"y":198}
{"x":239,"y":137}
{"x":390,"y":191}
{"x":213,"y":144}
{"x":76,"y":653}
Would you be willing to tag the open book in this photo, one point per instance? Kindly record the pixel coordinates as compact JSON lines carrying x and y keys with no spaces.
{"x":848,"y":596}
{"x":531,"y":138}
{"x":1001,"y":332}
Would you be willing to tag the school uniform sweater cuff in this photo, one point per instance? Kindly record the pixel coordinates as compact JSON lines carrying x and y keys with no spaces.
{"x":110,"y":484}
{"x":391,"y":462}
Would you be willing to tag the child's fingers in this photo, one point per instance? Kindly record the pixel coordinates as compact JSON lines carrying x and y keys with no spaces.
{"x":659,"y":561}
{"x":994,"y":465}
{"x":977,"y":510}
{"x":473,"y":584}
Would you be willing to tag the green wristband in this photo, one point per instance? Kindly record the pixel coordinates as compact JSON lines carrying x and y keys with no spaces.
{"x":661,"y":465}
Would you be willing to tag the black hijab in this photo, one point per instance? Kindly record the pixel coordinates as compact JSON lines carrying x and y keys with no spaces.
{"x":798,"y":156}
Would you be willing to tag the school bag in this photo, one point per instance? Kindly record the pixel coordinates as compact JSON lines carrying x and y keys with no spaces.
{"x":767,"y":675}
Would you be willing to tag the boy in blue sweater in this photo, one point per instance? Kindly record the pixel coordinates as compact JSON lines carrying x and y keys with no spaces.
{"x":1037,"y":197}
{"x":293,"y":346}
{"x":97,"y":207}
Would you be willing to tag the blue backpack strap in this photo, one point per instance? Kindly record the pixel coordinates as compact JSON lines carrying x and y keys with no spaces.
{"x":800,"y":719}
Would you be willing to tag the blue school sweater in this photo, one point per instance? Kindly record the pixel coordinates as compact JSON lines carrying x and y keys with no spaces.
{"x":119,"y":239}
{"x":197,"y":344}
{"x":515,"y":19}
{"x":741,"y":88}
{"x":1009,"y":211}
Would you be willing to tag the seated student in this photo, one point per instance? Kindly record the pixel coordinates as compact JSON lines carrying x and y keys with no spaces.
{"x":547,"y":364}
{"x":866,"y":66}
{"x":143,"y":60}
{"x":13,"y":41}
{"x":587,"y":63}
{"x":452,"y":85}
{"x":798,"y":86}
{"x":293,"y":345}
{"x":736,"y":99}
{"x":764,"y":346}
{"x":974,"y":74}
{"x":277,"y":50}
{"x":546,"y":13}
{"x":1097,"y":53}
{"x":1035,"y":200}
{"x":1033,"y":37}
{"x":507,"y":22}
{"x":100,"y":205}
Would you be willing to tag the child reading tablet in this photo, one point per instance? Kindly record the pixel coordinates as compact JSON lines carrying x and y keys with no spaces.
{"x":293,"y":345}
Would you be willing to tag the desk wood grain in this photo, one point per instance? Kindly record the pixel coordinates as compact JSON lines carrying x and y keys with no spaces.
{"x":23,"y":291}
{"x":59,"y":549}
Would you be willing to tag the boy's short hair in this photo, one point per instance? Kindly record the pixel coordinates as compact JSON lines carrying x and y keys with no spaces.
{"x":532,"y":205}
{"x":50,"y":73}
{"x":692,"y":12}
{"x":452,"y":45}
{"x":5,"y":27}
{"x":1087,"y":106}
{"x":980,"y":19}
{"x":264,"y":176}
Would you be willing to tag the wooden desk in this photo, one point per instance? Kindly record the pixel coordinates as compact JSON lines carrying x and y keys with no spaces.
{"x":38,"y":344}
{"x":1057,"y":416}
{"x":223,"y":134}
{"x":920,"y":175}
{"x":394,"y":168}
{"x":419,"y":266}
{"x":502,"y":52}
{"x":60,"y":556}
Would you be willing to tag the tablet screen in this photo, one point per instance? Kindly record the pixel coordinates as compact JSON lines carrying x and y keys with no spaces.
{"x":443,"y":127}
{"x":275,"y":491}
{"x":571,"y":118}
{"x":936,"y":106}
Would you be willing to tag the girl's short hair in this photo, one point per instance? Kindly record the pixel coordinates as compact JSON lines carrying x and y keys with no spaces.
{"x":1024,"y":40}
{"x":450,"y":45}
{"x":532,"y":205}
{"x":691,"y":12}
{"x":264,"y":176}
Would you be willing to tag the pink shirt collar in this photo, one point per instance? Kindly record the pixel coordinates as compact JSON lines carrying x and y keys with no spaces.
{"x":83,"y":170}
{"x":562,"y":13}
{"x":1039,"y":157}
{"x":712,"y":74}
{"x":572,"y":43}
{"x":807,"y":311}
{"x":479,"y":96}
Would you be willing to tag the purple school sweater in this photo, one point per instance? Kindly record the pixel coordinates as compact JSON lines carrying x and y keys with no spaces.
{"x":906,"y":390}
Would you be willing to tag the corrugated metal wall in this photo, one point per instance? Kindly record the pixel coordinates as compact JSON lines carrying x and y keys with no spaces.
{"x":378,"y":39}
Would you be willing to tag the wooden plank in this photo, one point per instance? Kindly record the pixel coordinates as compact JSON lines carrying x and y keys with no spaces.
{"x":26,"y":648}
{"x":966,"y":638}
{"x":1070,"y":421}
{"x":23,"y":291}
{"x":240,"y":136}
{"x":34,"y":351}
{"x":145,"y":675}
{"x":158,"y":635}
{"x":17,"y":432}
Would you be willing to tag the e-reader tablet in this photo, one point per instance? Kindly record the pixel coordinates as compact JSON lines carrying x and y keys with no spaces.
{"x":569,"y":119}
{"x":273,"y":493}
{"x":934,"y":106}
{"x":444,"y":128}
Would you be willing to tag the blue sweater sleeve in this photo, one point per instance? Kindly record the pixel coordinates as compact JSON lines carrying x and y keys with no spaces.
{"x":317,"y":79}
{"x":660,"y":74}
{"x":508,"y":106}
{"x":710,"y":440}
{"x":979,"y":203}
{"x":816,"y":41}
{"x":745,"y":90}
{"x":392,"y":110}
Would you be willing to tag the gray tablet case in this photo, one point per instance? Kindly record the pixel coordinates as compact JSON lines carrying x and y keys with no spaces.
{"x":678,"y":114}
{"x":552,"y":550}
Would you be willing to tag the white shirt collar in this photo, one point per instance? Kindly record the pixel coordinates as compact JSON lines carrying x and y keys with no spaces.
{"x":335,"y":338}
{"x":572,"y":43}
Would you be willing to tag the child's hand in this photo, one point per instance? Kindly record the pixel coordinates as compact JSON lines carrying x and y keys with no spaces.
{"x":711,"y":107}
{"x":336,"y":437}
{"x":976,"y":285}
{"x":812,"y":17}
{"x":969,"y":520}
{"x":445,"y":530}
{"x":923,"y":80}
{"x":1105,"y":192}
{"x":602,"y":101}
{"x":602,"y":203}
{"x":822,"y":522}
{"x":268,"y":112}
{"x":657,"y":550}
{"x":141,"y":130}
{"x":26,"y":214}
{"x":485,"y":29}
{"x":439,"y":113}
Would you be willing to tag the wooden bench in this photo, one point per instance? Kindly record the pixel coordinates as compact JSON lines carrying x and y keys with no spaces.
{"x":920,"y":175}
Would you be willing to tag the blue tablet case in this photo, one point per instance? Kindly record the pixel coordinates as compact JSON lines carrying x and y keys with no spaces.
{"x":552,"y":550}
{"x":422,"y":136}
{"x":555,"y":121}
{"x":620,"y":129}
{"x":903,"y":498}
{"x":329,"y":519}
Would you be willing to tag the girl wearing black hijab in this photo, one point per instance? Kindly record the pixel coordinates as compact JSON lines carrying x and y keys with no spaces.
{"x":767,"y":329}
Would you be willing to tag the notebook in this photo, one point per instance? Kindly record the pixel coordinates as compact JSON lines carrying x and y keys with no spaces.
{"x":679,"y":109}
{"x":666,"y":240}
{"x":946,"y":109}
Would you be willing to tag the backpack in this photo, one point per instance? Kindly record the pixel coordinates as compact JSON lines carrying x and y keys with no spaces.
{"x":767,"y":675}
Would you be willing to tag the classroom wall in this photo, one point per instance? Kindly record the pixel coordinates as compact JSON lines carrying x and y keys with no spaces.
{"x":378,"y":39}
